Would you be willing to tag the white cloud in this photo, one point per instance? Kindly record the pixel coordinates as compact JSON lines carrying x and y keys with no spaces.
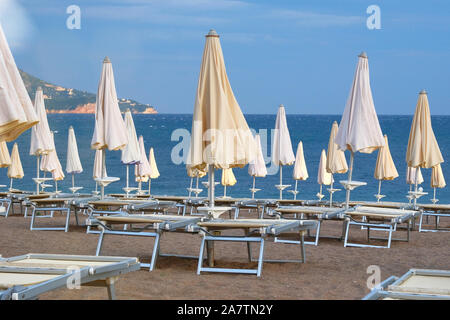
{"x":15,"y":23}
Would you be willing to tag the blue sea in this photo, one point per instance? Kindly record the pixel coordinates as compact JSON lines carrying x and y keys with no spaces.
{"x":313,"y":130}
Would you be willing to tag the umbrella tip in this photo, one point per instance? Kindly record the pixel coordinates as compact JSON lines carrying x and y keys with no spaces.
{"x":212,"y":33}
{"x":281,"y":106}
{"x":423,"y":92}
{"x":70,"y":128}
{"x":106,"y":60}
{"x":128,"y":110}
{"x":363,"y":55}
{"x":39,"y":88}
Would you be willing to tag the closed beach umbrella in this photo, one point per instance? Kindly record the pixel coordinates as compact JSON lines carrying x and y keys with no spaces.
{"x":423,"y":150}
{"x":437,"y":180}
{"x":359,"y":129}
{"x":228,"y":179}
{"x":131,"y":153}
{"x":41,"y":137}
{"x":15,"y":170}
{"x":73,"y":163}
{"x":336,"y":162}
{"x":282,"y":153}
{"x":109,"y":131}
{"x":142,"y":170}
{"x":411,"y":176}
{"x":300,"y":172}
{"x":257,"y":167}
{"x":385,"y":167}
{"x":323,"y":176}
{"x":50,"y":163}
{"x":220,"y":137}
{"x":5,"y":159}
{"x":154,"y":168}
{"x":16,"y":113}
{"x":98,"y":168}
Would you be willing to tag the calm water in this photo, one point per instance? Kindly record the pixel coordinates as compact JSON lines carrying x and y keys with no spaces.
{"x":313,"y":130}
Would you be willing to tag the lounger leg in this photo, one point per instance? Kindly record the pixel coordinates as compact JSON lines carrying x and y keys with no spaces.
{"x":368,"y":234}
{"x":200,"y":256}
{"x":210,"y":252}
{"x":344,"y":229}
{"x":32,"y":219}
{"x":249,"y":249}
{"x":111,"y":288}
{"x":302,"y":246}
{"x":155,"y":252}
{"x":420,"y":222}
{"x":100,"y":241}
{"x":67,"y":220}
{"x":347,"y":223}
{"x":75,"y":211}
{"x":261,"y":258}
{"x":390,"y":237}
{"x":317,"y":233}
{"x":236,"y":213}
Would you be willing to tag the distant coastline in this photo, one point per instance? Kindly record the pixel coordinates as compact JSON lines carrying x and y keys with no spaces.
{"x":89,"y":108}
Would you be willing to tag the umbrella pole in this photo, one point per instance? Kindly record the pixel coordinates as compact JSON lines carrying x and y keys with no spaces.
{"x":253,"y":191}
{"x":37,"y":175}
{"x":10,"y":186}
{"x":149,"y":185}
{"x":224,"y":191}
{"x":56,"y":186}
{"x":102,"y":187}
{"x":434,"y":193}
{"x":128,"y":179}
{"x":410,"y":189}
{"x":196,"y":187}
{"x":281,"y":184}
{"x":295,"y":193}
{"x":379,"y":189}
{"x":73,"y":181}
{"x":350,"y":172}
{"x":415,"y":196}
{"x":211,"y":186}
{"x":190,"y":187}
{"x":320,"y":191}
{"x":331,"y":192}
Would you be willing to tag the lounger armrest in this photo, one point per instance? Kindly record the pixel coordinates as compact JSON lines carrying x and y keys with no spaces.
{"x":299,"y":224}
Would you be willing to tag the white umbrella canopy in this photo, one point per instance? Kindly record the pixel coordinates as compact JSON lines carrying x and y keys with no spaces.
{"x":300,"y":171}
{"x":323,"y":176}
{"x":221,"y":137}
{"x":131,"y":153}
{"x":41,"y":137}
{"x":282,"y":153}
{"x":73,"y":163}
{"x":411,"y":175}
{"x":109,"y":132}
{"x":385,"y":167}
{"x":5,"y":159}
{"x":16,"y":113}
{"x":257,"y":167}
{"x":359,"y":129}
{"x":99,"y":169}
{"x":142,"y":170}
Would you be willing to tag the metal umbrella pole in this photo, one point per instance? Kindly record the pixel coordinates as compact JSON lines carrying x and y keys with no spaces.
{"x":211,"y":186}
{"x":350,"y":172}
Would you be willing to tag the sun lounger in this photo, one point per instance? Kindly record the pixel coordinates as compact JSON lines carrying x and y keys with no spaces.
{"x":416,"y":284}
{"x":63,"y":204}
{"x":378,"y":219}
{"x":307,"y":212}
{"x":256,"y":230}
{"x":433,"y":210}
{"x":151,"y":225}
{"x":28,"y":276}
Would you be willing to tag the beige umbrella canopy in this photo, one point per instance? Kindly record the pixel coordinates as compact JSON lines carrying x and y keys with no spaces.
{"x":228,"y":179}
{"x":221,"y":137}
{"x":109,"y":131}
{"x":282,"y":153}
{"x":197,"y":174}
{"x":437,"y":180}
{"x":41,"y":137}
{"x":423,"y":150}
{"x":411,"y":175}
{"x":5,"y":159}
{"x":359,"y":130}
{"x":323,"y":176}
{"x":153,"y":168}
{"x":257,"y":168}
{"x":16,"y":112}
{"x":15,"y":170}
{"x":385,"y":167}
{"x":300,"y":172}
{"x":336,"y":162}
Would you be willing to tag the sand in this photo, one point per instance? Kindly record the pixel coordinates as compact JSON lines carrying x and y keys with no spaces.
{"x":330,"y":272}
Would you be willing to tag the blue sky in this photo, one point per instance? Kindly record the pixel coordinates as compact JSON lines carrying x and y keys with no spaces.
{"x":299,"y":53}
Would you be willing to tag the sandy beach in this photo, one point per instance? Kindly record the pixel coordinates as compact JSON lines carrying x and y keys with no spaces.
{"x":330,"y":272}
